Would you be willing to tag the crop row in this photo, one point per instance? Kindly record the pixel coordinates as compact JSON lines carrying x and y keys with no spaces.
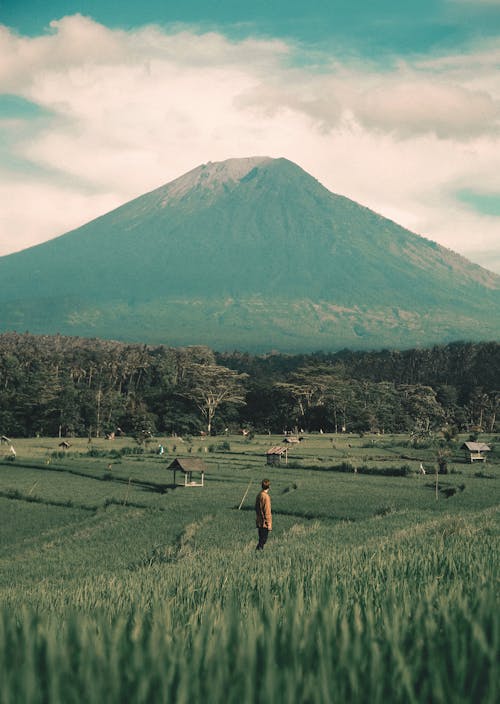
{"x":411,"y":618}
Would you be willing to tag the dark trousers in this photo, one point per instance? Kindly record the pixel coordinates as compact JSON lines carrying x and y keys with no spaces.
{"x":263,"y":533}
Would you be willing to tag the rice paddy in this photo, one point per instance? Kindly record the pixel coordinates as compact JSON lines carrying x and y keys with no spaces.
{"x":117,"y":586}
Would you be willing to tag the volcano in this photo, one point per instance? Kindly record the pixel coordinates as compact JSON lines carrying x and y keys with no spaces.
{"x":251,"y":254}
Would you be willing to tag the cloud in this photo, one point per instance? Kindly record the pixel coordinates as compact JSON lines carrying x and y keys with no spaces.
{"x":124,"y":112}
{"x":415,"y":106}
{"x":442,"y":97}
{"x":34,"y":211}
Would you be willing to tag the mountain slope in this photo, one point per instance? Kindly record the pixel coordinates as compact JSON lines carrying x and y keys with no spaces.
{"x":248,"y":252}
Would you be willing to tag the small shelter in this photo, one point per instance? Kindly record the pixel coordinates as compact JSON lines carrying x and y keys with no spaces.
{"x":188,"y":467}
{"x":291,"y":439}
{"x":474,"y":451}
{"x":64,"y":445}
{"x":274,"y":455}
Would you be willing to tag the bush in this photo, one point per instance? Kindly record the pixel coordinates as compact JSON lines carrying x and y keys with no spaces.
{"x":347,"y":467}
{"x":92,"y":452}
{"x":131,"y":451}
{"x":384,"y":511}
{"x":223,"y":446}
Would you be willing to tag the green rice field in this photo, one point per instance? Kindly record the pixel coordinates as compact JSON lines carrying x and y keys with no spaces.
{"x":378,"y":583}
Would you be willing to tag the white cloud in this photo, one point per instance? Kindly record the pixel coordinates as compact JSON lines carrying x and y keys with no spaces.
{"x":33,"y":212}
{"x":133,"y":110}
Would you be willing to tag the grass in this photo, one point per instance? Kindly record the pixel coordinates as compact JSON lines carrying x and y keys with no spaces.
{"x":115,"y":586}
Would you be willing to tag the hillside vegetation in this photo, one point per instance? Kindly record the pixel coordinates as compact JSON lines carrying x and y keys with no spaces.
{"x":252,"y":254}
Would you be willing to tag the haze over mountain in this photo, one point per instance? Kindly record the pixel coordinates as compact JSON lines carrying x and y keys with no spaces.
{"x":250,"y":254}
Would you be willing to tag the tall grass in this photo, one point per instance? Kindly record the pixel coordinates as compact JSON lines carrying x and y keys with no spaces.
{"x":390,"y":651}
{"x":411,"y":619}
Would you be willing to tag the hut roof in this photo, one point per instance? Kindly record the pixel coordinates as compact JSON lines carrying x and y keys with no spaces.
{"x":276,"y":450}
{"x":290,"y":439}
{"x":476,"y":447}
{"x":188,"y":464}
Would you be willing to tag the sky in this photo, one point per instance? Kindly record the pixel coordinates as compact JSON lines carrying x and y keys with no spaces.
{"x":393,"y":104}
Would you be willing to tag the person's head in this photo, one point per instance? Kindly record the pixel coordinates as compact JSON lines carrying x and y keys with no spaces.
{"x":266,"y":484}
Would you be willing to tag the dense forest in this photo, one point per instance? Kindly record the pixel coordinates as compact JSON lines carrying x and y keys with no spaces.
{"x":66,"y":386}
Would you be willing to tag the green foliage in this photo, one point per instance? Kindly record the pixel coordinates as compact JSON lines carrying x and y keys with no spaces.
{"x":348,"y":467}
{"x":411,"y":619}
{"x":125,"y":451}
{"x":223,"y":446}
{"x":73,"y":387}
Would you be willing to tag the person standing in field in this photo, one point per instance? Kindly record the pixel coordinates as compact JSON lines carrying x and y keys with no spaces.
{"x":264,"y":519}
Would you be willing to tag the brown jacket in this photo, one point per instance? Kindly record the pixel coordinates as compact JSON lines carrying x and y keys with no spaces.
{"x":264,"y":517}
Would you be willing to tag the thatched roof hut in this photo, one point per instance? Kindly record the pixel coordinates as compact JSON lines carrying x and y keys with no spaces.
{"x":188,"y":466}
{"x":475,"y":451}
{"x":274,"y":454}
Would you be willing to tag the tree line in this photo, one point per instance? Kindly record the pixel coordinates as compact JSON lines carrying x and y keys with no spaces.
{"x":68,"y":386}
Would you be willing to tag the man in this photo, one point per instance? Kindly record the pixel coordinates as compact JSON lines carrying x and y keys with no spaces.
{"x":264,"y":519}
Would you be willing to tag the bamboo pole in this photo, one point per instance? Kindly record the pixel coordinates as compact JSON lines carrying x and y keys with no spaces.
{"x":245,"y":495}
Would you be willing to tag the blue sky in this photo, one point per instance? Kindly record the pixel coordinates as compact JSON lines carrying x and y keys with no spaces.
{"x":394,"y":104}
{"x":366,"y":26}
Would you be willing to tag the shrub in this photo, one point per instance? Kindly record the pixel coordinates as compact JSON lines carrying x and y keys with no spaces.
{"x":131,"y":451}
{"x":347,"y":467}
{"x":92,"y":452}
{"x":384,"y":510}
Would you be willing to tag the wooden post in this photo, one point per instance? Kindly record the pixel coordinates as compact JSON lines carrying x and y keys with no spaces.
{"x":244,"y":495}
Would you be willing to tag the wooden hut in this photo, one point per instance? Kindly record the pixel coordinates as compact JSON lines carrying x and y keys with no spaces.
{"x":64,"y":445}
{"x":275,"y":454}
{"x":475,"y":451}
{"x":189,"y":467}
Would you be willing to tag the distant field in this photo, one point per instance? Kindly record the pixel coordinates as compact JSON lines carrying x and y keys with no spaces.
{"x":117,"y":586}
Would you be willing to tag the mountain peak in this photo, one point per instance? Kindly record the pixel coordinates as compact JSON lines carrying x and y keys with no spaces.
{"x":211,"y":177}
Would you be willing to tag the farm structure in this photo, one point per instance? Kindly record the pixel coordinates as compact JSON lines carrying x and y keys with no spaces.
{"x":475,"y":451}
{"x":275,"y":454}
{"x":188,"y":467}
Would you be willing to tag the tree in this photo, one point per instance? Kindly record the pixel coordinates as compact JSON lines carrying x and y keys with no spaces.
{"x":315,"y":387}
{"x":421,"y":404}
{"x":210,"y":385}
